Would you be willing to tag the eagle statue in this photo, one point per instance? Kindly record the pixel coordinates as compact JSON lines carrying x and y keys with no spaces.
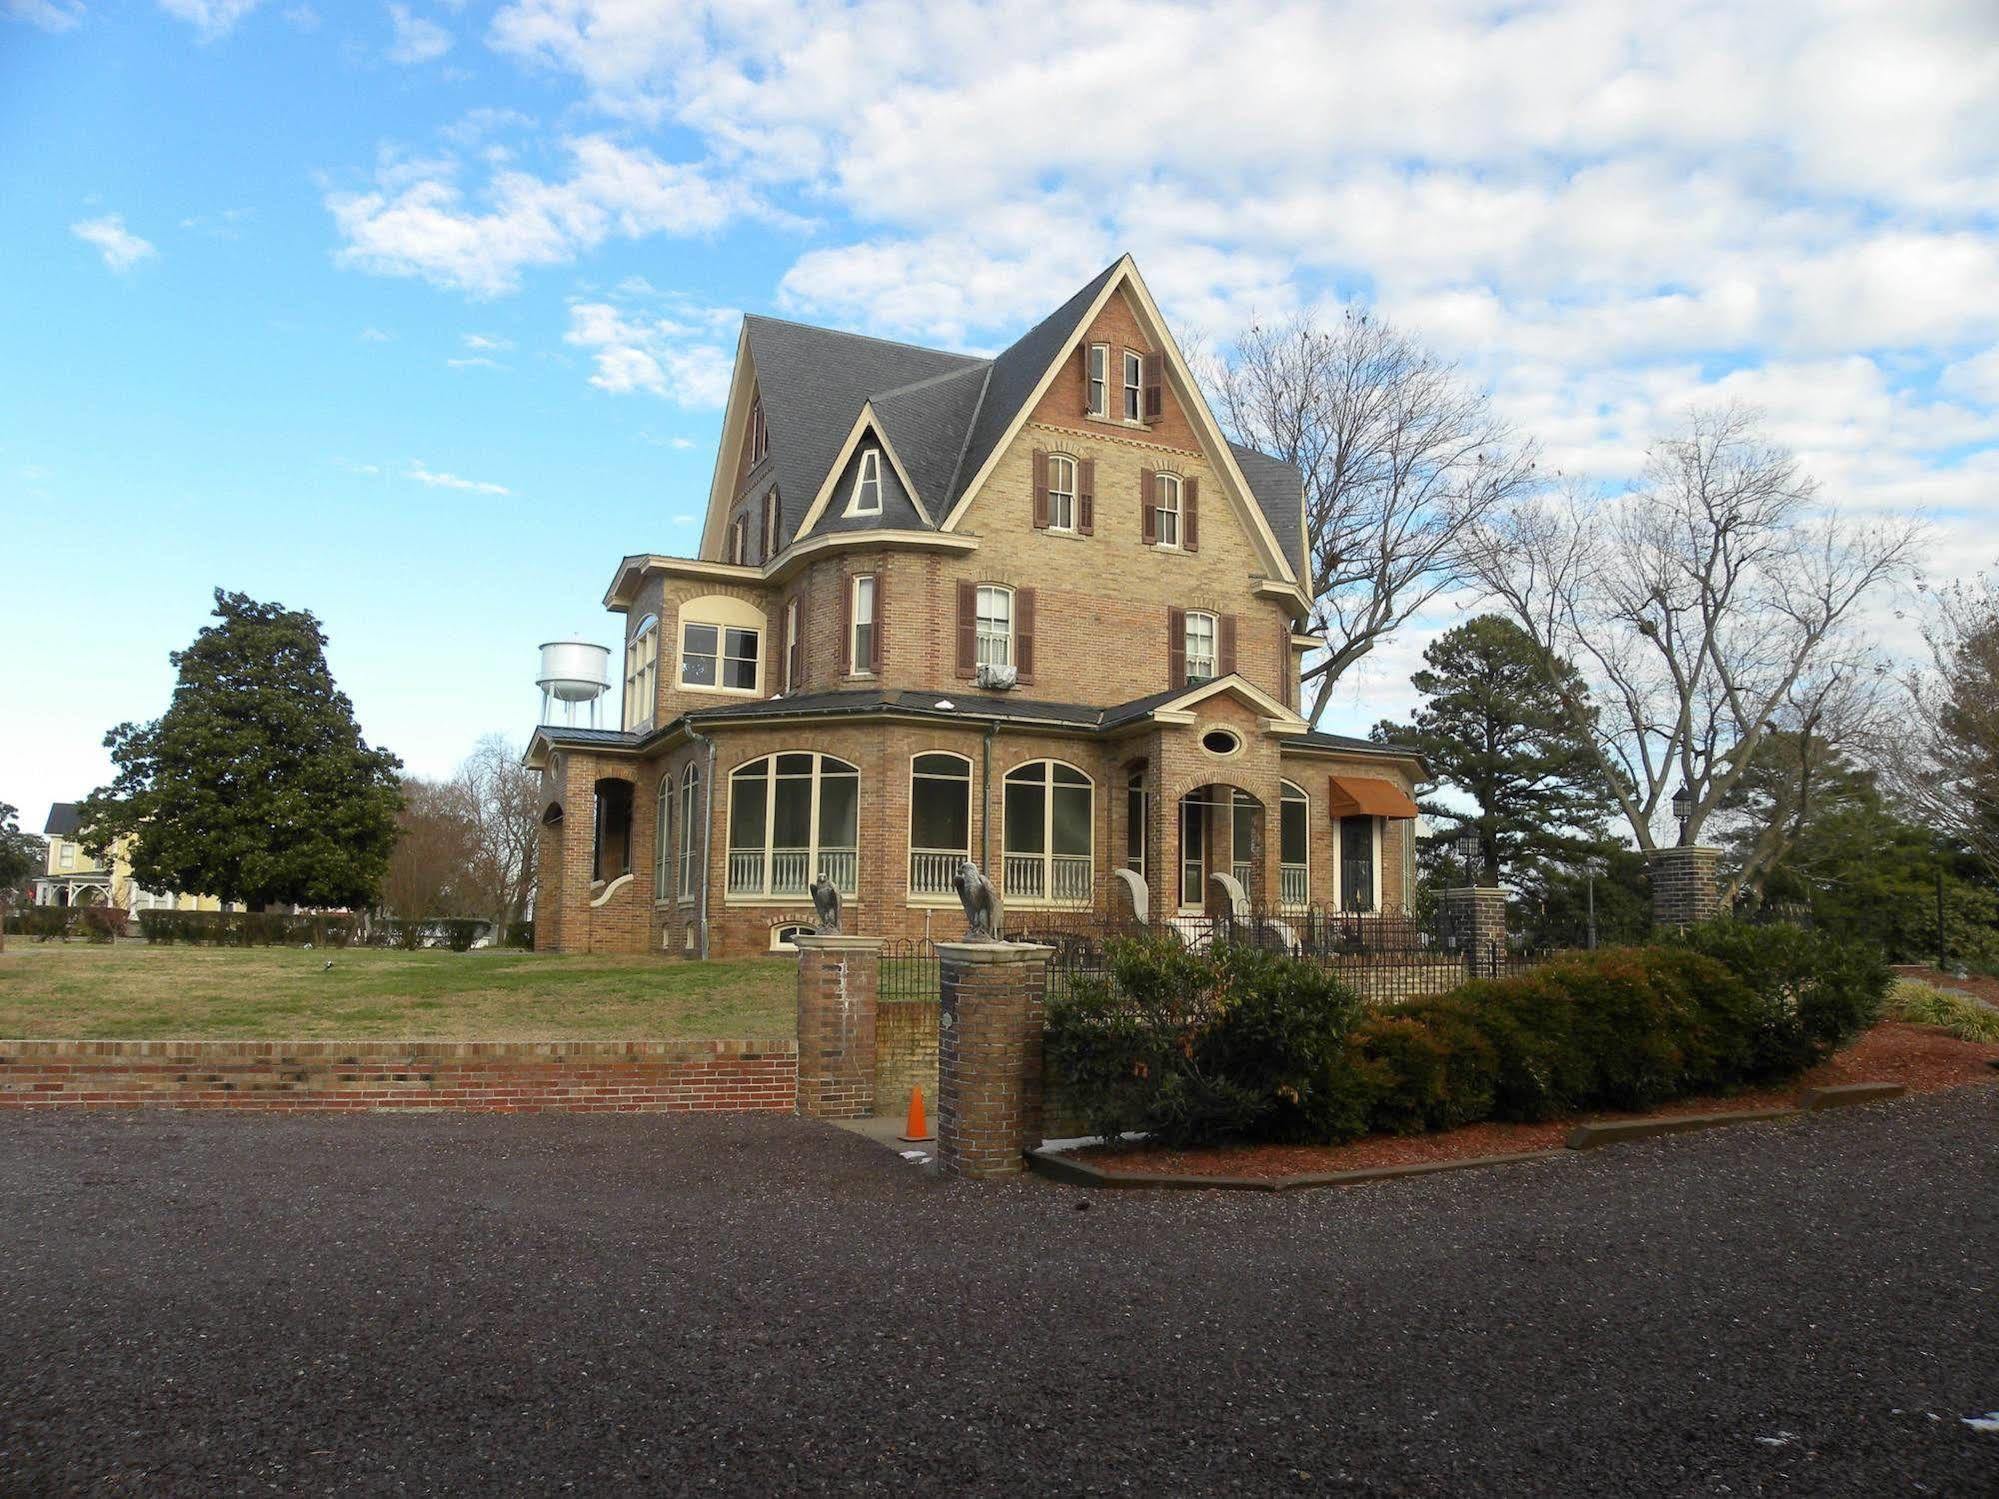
{"x":982,"y":903}
{"x":826,"y":905}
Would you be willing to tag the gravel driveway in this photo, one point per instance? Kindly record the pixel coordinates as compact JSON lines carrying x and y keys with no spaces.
{"x":216,"y":1305}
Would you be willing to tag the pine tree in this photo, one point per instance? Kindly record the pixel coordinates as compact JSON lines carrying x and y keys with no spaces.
{"x":1493,"y":729}
{"x":255,"y":785}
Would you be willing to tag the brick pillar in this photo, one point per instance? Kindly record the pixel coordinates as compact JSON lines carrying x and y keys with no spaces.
{"x":989,"y":1056}
{"x":1476,"y":920}
{"x":839,"y":978}
{"x":1683,"y":886}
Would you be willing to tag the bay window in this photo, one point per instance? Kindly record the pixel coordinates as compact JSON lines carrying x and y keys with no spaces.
{"x":1048,"y":838}
{"x":940,"y":821}
{"x":792,"y":817}
{"x":642,"y":672}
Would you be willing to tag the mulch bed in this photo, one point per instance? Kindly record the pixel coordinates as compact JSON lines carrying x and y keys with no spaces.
{"x":1977,"y":985}
{"x":1919,"y":1057}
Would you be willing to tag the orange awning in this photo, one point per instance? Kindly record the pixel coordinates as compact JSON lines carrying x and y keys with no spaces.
{"x":1368,"y":796}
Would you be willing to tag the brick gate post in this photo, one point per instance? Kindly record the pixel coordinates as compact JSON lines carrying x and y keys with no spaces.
{"x":989,"y":1056}
{"x":1477,"y":922}
{"x":839,"y":980}
{"x":1683,"y":886}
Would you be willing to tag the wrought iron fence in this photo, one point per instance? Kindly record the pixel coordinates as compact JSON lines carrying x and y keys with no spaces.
{"x":910,"y":972}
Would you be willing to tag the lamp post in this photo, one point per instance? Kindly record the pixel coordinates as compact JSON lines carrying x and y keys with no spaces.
{"x":1683,"y":808}
{"x":1468,"y":854}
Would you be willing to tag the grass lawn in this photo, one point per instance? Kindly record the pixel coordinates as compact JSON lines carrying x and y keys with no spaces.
{"x":131,"y":991}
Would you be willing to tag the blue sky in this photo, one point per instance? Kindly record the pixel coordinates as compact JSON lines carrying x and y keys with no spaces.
{"x":418,"y":316}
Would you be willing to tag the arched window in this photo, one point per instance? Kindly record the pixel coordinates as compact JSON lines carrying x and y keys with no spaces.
{"x":1049,"y":836}
{"x":642,"y":672}
{"x":662,"y":821}
{"x":1201,"y":636}
{"x":994,"y":624}
{"x":1294,"y":859}
{"x":792,"y":816}
{"x":691,"y":818}
{"x":940,"y":821}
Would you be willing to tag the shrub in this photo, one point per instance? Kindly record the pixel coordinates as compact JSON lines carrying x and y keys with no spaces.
{"x":1964,"y":1017}
{"x":247,"y":928}
{"x":1819,"y":990}
{"x":103,"y":923}
{"x":521,"y":934}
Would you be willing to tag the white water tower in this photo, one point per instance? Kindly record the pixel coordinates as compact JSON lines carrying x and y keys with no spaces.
{"x":572,"y":672}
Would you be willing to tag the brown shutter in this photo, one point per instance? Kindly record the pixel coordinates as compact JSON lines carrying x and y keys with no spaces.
{"x":1176,"y":647}
{"x":1023,"y":634}
{"x":1086,"y":496}
{"x":1040,"y":489}
{"x":968,"y":629}
{"x":1190,"y":513}
{"x":1155,"y":405}
{"x":1225,"y":645}
{"x":1148,"y":486}
{"x":881,"y":617}
{"x":1083,"y":363}
{"x":846,"y":626}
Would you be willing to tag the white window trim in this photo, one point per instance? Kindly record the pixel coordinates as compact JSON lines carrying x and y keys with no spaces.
{"x":642,"y":673}
{"x":813,"y":850}
{"x":1012,"y":622}
{"x":1214,"y":646}
{"x":1097,"y":401}
{"x":1073,"y":493}
{"x":1131,"y":394}
{"x":1291,"y":791}
{"x":690,"y":792}
{"x":1138,"y":836}
{"x":857,"y":665}
{"x":722,"y":640}
{"x":790,"y":640}
{"x":662,"y":836}
{"x":866,"y":473}
{"x":1047,"y":855}
{"x":909,"y":828}
{"x":1161,"y":483}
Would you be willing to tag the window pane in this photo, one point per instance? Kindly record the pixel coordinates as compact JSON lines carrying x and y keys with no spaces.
{"x":1245,"y":827}
{"x":1072,"y":819}
{"x":1295,"y":838}
{"x":792,"y":824}
{"x":1064,"y":776}
{"x":943,"y":765}
{"x":940,"y":814}
{"x":739,"y":667}
{"x":1357,"y":863}
{"x":839,"y":810}
{"x":794,"y":765}
{"x":1026,"y":813}
{"x":747,"y":801}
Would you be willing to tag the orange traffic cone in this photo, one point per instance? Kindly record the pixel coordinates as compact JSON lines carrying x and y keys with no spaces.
{"x":915,"y":1128}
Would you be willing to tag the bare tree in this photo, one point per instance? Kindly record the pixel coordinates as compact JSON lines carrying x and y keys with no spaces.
{"x":1704,"y":606}
{"x":1946,"y":762}
{"x":436,"y":841}
{"x":502,"y":795}
{"x":1402,"y":458}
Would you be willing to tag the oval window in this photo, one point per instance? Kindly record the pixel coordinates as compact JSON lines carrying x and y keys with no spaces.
{"x":1220,"y":742}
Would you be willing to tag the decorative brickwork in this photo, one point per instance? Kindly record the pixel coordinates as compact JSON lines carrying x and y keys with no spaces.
{"x":1476,"y":917}
{"x":579,"y":1077}
{"x":839,"y":978}
{"x":1683,"y":886}
{"x":989,"y":1084}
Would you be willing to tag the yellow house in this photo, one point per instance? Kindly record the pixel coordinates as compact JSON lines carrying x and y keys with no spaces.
{"x":73,"y":878}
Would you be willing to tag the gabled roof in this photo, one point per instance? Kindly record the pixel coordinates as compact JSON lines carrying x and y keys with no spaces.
{"x":945,"y":415}
{"x":63,"y":820}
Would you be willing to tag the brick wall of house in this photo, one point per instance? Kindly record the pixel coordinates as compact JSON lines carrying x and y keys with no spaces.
{"x":1065,"y":402}
{"x":484,"y":1077}
{"x":905,"y":1053}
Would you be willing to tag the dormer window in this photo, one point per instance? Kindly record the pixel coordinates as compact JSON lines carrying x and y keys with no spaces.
{"x":1099,"y":397}
{"x":867,"y":495}
{"x":1134,"y":386}
{"x":759,"y":437}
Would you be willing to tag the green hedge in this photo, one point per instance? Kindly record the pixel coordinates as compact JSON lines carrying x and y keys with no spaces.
{"x":1238,"y":1044}
{"x":246,"y":928}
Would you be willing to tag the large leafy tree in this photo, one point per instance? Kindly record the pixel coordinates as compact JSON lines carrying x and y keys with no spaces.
{"x":21,"y":854}
{"x":255,"y":785}
{"x":1495,"y":729}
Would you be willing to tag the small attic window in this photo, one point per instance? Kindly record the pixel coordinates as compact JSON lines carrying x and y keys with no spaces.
{"x":867,"y":496}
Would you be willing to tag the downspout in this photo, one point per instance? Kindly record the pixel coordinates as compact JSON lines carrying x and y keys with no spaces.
{"x":986,"y":798}
{"x":707,"y":839}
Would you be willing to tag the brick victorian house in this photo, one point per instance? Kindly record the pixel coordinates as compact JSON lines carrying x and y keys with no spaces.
{"x":1032,"y":610}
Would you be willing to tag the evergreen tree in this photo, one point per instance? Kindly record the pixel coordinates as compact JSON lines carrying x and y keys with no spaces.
{"x":21,"y":854}
{"x":1493,"y":729}
{"x":255,"y":785}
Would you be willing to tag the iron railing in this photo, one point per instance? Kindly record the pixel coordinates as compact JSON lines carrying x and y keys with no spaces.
{"x":910,"y":972}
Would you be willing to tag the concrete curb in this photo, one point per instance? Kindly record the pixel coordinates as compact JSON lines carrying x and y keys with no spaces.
{"x":1846,"y":1095}
{"x":1599,"y":1133}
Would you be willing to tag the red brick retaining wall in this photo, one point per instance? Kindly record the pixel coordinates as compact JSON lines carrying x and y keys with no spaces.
{"x":575,"y":1077}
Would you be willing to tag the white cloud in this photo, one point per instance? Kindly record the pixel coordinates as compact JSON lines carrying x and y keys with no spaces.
{"x":120,"y":248}
{"x":476,"y":362}
{"x":681,"y":355}
{"x":487,"y":343}
{"x":304,"y":17}
{"x":49,"y":15}
{"x":682,"y":443}
{"x":438,"y":480}
{"x":211,"y":18}
{"x":416,"y":222}
{"x":375,"y":336}
{"x":416,"y":40}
